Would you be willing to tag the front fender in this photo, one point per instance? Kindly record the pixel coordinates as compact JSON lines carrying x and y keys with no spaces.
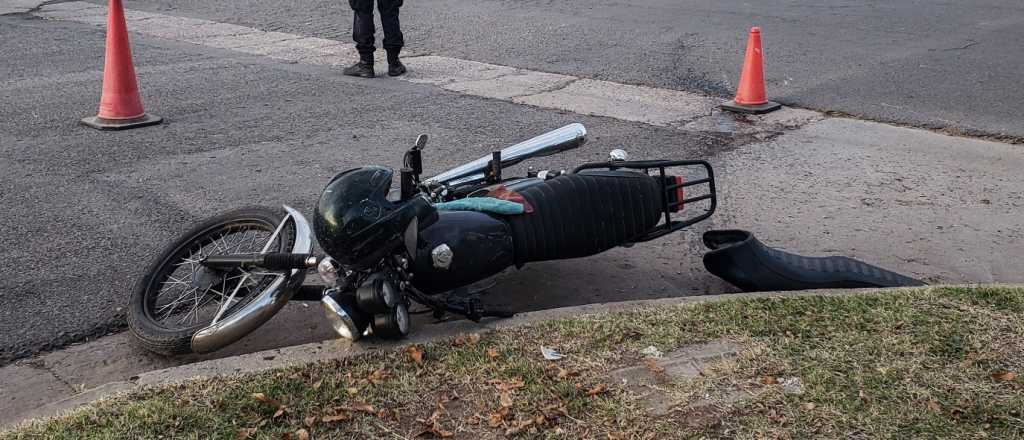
{"x":266,"y":305}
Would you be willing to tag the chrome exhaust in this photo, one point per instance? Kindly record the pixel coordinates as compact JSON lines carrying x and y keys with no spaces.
{"x":556,"y":141}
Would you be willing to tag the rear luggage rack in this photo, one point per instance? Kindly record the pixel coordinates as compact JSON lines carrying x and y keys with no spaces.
{"x":671,"y":191}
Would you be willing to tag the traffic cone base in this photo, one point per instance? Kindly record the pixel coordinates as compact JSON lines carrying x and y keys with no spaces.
{"x":121,"y":124}
{"x":756,"y":109}
{"x":751,"y":96}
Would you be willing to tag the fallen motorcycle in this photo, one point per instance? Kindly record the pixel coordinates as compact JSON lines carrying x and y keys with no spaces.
{"x":431,"y":241}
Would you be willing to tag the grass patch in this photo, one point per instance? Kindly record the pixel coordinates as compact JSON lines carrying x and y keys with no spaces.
{"x":925,"y":363}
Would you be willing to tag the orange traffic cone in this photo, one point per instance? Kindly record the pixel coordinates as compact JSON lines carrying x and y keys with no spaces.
{"x":750,"y":95}
{"x":120,"y":105}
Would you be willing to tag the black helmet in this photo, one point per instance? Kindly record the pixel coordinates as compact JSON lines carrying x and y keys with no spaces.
{"x":356,"y":224}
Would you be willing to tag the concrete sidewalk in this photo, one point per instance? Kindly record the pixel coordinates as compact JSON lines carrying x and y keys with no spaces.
{"x":18,"y":6}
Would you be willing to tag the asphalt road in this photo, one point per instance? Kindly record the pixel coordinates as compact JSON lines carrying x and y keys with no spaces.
{"x":952,"y":65}
{"x":84,"y":209}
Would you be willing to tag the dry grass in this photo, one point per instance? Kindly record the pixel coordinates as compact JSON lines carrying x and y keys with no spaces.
{"x":928,"y":363}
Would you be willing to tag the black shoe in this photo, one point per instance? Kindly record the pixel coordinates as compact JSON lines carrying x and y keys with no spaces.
{"x":396,"y":68}
{"x":360,"y":69}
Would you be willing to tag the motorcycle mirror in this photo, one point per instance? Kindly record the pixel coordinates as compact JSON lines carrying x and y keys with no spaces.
{"x":421,"y":141}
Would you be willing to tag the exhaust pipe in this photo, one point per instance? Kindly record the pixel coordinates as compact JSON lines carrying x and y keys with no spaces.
{"x":556,"y":141}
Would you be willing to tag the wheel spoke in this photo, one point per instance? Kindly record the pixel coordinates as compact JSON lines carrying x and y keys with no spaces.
{"x":192,"y":293}
{"x":195,"y":308}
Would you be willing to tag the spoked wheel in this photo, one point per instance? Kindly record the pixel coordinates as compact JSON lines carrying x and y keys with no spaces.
{"x":177,"y":296}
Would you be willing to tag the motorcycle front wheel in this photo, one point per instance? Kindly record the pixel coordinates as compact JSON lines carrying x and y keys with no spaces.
{"x":177,"y":296}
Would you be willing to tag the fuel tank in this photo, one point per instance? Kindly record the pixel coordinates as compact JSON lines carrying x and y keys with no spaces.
{"x":460,"y":248}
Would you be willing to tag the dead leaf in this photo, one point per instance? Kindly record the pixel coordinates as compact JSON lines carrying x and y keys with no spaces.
{"x":933,"y":406}
{"x":560,"y":372}
{"x":599,"y":389}
{"x":1004,"y":376}
{"x":310,"y":421}
{"x":497,"y":418}
{"x":352,"y":390}
{"x":279,"y":412}
{"x":470,"y":339}
{"x":433,"y":425}
{"x":864,"y":397}
{"x":769,"y":380}
{"x":492,"y":353}
{"x":302,"y":434}
{"x":415,"y":354}
{"x":358,"y":407}
{"x":244,"y":433}
{"x":652,"y":366}
{"x":286,"y":436}
{"x":505,"y":399}
{"x":262,"y":398}
{"x":336,"y":418}
{"x":555,"y":410}
{"x":519,"y":426}
{"x":378,"y":376}
{"x":318,"y":384}
{"x":809,"y":406}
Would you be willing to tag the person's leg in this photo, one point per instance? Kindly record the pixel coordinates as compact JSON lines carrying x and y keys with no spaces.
{"x":362,"y":34}
{"x":363,"y":28}
{"x":393,"y":38}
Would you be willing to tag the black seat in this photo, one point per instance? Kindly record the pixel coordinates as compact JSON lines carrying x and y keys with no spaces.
{"x":741,"y":259}
{"x":583,"y":214}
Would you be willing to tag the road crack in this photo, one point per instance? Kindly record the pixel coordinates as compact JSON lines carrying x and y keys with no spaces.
{"x":39,"y":364}
{"x":561,"y":85}
{"x":972,"y":43}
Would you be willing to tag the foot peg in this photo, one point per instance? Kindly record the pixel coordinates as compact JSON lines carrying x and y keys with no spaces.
{"x":739,"y":258}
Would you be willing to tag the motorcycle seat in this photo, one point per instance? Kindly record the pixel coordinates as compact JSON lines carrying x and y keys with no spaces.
{"x":578,"y":215}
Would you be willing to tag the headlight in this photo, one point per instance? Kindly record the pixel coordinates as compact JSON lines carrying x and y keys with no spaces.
{"x":344,"y":317}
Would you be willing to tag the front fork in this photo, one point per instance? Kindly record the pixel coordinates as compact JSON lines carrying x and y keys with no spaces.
{"x":225,"y":330}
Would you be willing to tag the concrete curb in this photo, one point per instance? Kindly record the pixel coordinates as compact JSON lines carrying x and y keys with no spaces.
{"x":339,"y":349}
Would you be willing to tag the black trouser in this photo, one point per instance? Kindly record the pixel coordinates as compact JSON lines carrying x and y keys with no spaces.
{"x":363,"y":28}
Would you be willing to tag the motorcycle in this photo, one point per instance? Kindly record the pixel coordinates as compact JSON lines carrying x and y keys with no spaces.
{"x":431,"y":241}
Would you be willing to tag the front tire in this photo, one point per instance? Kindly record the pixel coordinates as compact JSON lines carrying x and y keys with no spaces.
{"x":176,"y":297}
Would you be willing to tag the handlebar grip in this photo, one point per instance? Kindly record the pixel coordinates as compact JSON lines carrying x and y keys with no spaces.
{"x":286,"y":260}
